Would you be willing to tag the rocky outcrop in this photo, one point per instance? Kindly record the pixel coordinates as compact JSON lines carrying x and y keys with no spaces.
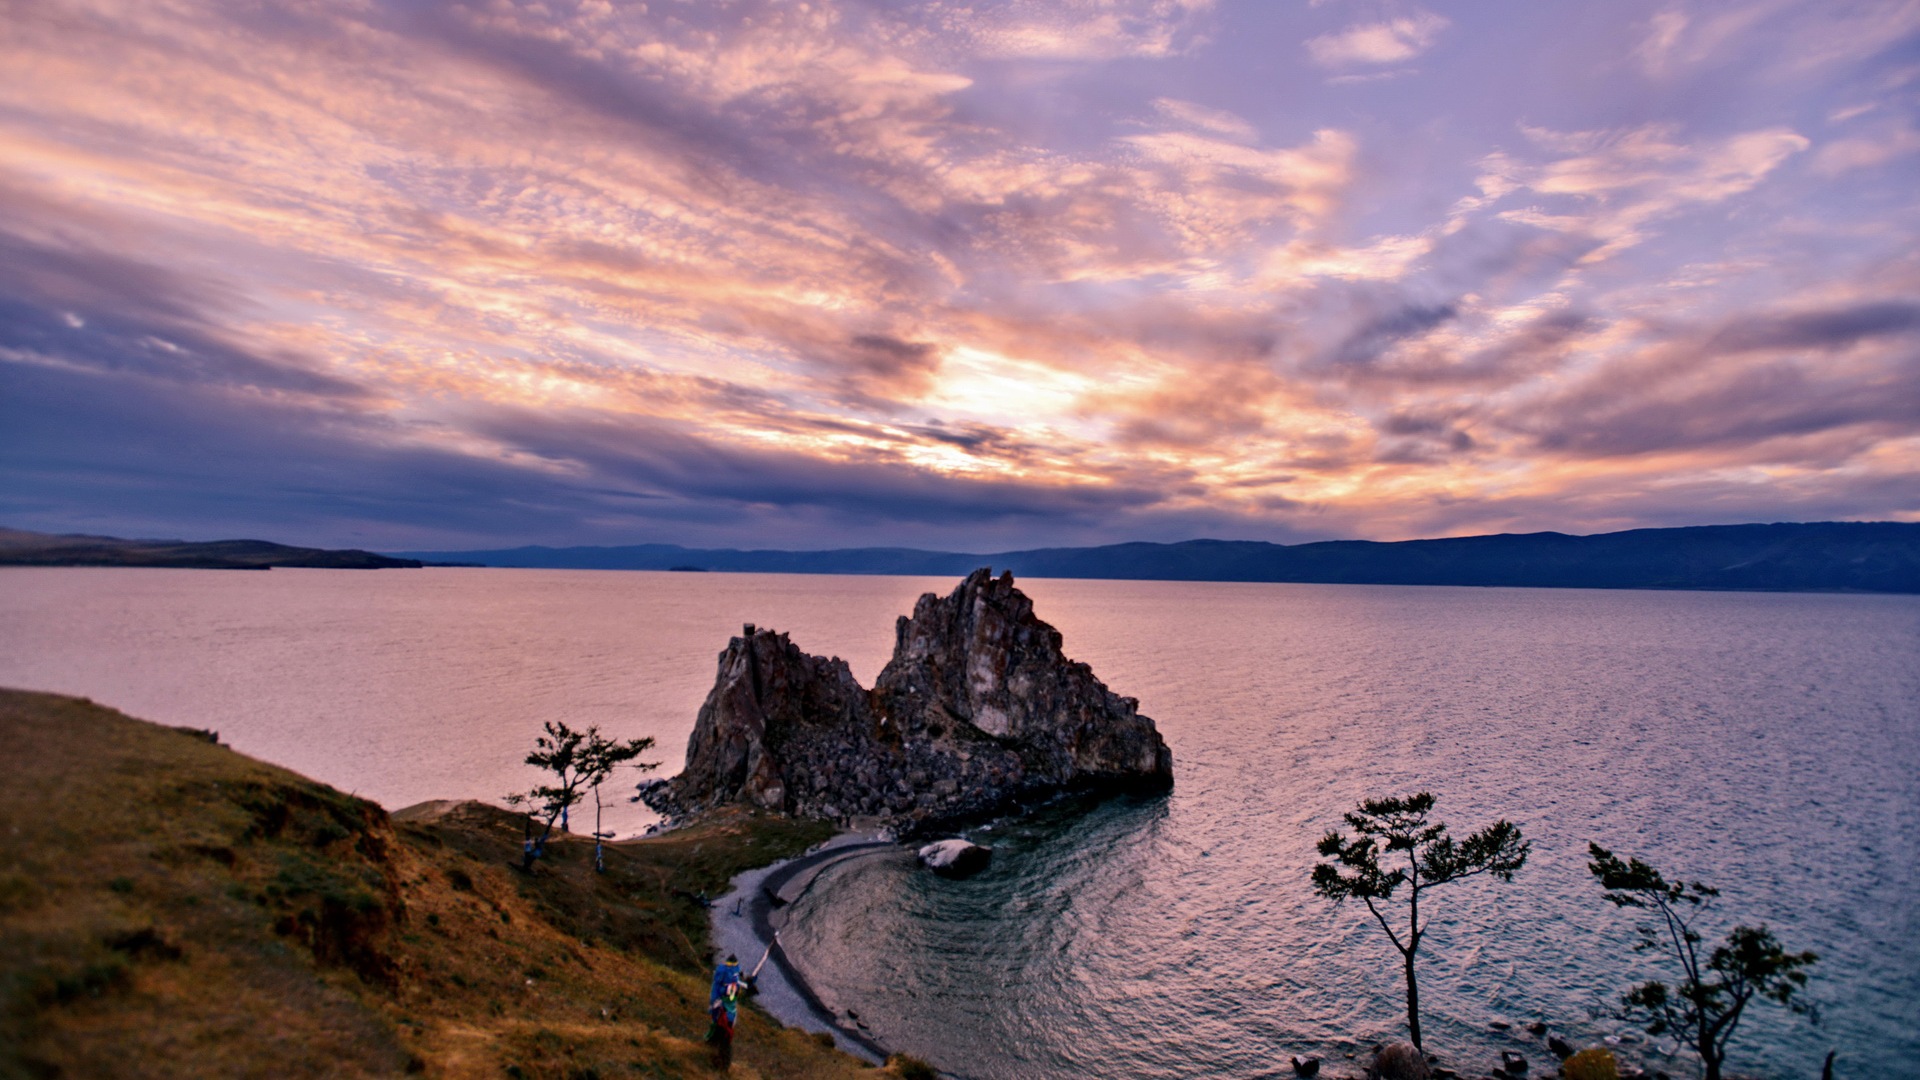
{"x":775,"y":716}
{"x":978,"y":708}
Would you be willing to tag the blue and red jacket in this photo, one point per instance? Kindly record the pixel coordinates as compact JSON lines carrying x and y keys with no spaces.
{"x":726,"y":993}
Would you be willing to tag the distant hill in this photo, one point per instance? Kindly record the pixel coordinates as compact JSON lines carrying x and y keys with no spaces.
{"x":1817,"y":556}
{"x":21,"y":548}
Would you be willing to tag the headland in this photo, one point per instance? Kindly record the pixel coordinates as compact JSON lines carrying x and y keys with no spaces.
{"x":167,"y":900}
{"x":21,"y":548}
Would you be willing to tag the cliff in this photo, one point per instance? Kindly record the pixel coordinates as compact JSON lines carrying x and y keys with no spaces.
{"x":978,"y":708}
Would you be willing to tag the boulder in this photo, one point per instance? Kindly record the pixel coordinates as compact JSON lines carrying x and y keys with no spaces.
{"x":955,"y":858}
{"x":978,"y":709}
{"x":1399,"y":1061}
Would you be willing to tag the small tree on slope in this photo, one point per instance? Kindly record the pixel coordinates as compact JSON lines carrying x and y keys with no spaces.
{"x":1369,"y":868}
{"x":1705,"y":1008}
{"x":579,"y":760}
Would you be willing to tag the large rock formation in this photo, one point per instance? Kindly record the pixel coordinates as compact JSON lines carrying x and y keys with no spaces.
{"x":977,"y":709}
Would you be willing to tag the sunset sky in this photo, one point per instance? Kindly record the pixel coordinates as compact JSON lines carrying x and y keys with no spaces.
{"x":968,"y":276}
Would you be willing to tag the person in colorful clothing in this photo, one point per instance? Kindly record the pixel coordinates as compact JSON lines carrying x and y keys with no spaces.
{"x":724,"y":1009}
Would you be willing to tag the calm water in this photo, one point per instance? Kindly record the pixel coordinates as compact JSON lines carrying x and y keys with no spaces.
{"x":410,"y":685}
{"x":1768,"y":744}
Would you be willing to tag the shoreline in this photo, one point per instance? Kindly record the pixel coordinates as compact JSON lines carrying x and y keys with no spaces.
{"x":746,"y":922}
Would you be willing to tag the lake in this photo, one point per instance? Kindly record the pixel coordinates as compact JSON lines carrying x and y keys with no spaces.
{"x":1768,"y":744}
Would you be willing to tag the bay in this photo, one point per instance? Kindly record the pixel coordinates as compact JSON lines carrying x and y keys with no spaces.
{"x":1766,"y":743}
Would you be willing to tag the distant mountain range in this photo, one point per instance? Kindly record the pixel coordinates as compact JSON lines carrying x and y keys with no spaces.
{"x":20,"y":548}
{"x":1822,"y":556}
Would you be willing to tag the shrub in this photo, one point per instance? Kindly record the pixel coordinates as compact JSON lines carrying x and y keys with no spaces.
{"x":912,"y":1068}
{"x":1590,"y":1064}
{"x":92,"y":980}
{"x":327,"y":833}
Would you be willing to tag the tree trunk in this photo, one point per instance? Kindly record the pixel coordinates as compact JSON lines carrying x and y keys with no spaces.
{"x":1413,"y":1005}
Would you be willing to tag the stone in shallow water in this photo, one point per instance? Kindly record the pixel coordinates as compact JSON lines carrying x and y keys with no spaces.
{"x":955,"y":858}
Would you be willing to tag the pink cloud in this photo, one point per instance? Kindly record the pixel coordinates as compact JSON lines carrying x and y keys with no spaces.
{"x":804,"y":236}
{"x":1388,"y":42}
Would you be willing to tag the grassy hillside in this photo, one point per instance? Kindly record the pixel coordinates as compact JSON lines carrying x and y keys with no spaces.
{"x":172,"y":908}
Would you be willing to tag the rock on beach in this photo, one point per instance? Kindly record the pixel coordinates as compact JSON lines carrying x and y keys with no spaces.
{"x":955,"y":858}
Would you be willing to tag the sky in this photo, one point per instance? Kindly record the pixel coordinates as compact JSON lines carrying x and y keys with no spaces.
{"x":974,"y":276}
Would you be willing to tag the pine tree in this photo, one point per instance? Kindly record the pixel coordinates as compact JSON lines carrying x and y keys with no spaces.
{"x":1385,"y":827}
{"x":579,"y":760}
{"x":1706,"y":1007}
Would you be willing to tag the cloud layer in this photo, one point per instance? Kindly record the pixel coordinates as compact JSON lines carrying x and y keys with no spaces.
{"x":404,"y":274}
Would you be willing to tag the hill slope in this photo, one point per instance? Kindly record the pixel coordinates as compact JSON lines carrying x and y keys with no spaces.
{"x":21,"y":548}
{"x":166,"y":901}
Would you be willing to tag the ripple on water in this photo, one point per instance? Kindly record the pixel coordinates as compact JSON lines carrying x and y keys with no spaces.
{"x":1767,"y":743}
{"x":1764,"y":743}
